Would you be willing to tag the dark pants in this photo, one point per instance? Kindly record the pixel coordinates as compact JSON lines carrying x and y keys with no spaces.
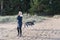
{"x":19,"y":29}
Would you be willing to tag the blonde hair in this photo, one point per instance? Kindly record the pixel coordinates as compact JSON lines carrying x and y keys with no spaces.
{"x":20,"y":13}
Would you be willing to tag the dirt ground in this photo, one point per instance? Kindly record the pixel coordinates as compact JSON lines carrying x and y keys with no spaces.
{"x":46,"y":30}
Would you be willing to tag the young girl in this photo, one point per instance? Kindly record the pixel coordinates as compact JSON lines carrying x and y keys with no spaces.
{"x":19,"y":27}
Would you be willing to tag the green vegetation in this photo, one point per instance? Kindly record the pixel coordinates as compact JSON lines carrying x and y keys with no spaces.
{"x":39,"y":7}
{"x":6,"y":19}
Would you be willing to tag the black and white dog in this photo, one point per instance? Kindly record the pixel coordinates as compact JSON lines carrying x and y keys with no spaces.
{"x":30,"y":23}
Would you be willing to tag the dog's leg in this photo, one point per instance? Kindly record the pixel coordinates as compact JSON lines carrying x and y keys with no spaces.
{"x":27,"y":25}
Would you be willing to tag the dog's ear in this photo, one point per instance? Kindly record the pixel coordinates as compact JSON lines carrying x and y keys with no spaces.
{"x":34,"y":20}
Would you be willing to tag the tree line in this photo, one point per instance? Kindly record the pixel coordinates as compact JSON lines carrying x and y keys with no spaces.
{"x":38,"y":7}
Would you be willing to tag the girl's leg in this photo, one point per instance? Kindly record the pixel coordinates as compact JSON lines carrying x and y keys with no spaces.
{"x":18,"y":31}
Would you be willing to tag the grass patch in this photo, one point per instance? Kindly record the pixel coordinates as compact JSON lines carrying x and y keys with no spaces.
{"x":4,"y":19}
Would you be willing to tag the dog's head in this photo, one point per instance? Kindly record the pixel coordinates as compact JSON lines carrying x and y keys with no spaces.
{"x":34,"y":21}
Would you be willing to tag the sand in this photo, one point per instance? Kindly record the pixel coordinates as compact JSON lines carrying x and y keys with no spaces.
{"x":46,"y":30}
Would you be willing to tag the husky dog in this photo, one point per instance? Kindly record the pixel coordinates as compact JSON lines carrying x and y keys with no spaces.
{"x":29,"y":23}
